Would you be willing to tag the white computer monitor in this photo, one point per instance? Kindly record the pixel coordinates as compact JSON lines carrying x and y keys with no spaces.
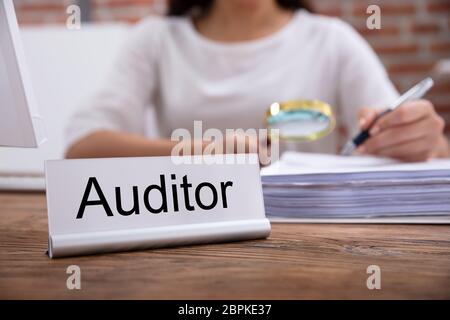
{"x":20,"y":123}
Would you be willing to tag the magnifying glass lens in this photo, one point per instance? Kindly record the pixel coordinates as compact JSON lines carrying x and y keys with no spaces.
{"x":300,"y":120}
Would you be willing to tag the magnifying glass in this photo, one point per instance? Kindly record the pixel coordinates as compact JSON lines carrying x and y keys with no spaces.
{"x":299,"y":120}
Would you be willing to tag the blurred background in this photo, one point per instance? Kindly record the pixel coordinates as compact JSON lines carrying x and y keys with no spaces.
{"x":414,"y":38}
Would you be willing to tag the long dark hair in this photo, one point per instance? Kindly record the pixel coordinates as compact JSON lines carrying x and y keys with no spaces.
{"x":185,"y":7}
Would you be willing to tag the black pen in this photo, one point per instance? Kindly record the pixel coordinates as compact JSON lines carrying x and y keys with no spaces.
{"x":416,"y":92}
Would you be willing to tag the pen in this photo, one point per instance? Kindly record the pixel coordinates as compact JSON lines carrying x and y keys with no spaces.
{"x":416,"y":92}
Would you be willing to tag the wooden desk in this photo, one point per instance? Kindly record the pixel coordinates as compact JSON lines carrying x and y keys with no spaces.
{"x":297,"y":262}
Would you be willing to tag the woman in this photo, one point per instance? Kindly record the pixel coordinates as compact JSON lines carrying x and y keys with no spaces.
{"x":225,"y":61}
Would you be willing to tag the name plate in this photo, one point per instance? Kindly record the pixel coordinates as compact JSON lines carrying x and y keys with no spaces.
{"x":120,"y":204}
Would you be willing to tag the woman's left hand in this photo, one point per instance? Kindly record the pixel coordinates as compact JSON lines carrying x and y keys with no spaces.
{"x":412,"y":132}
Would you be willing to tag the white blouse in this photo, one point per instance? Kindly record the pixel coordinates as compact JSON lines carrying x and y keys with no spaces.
{"x":168,"y":66}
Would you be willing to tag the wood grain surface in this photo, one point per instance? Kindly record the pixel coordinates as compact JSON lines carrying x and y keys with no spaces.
{"x":296,"y":262}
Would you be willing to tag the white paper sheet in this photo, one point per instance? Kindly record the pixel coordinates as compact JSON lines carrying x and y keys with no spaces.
{"x":302,"y":163}
{"x":325,"y":188}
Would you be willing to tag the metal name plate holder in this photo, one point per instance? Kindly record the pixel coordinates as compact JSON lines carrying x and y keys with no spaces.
{"x":121,"y":204}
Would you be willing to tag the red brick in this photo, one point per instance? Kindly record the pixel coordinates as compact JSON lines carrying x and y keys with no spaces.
{"x":442,"y":108}
{"x":440,"y":47}
{"x":410,"y":68}
{"x":392,"y":30}
{"x":425,"y":27}
{"x":129,"y":20}
{"x":123,"y":3}
{"x":397,"y":49}
{"x":441,"y":87}
{"x":439,"y":7}
{"x":327,"y":8}
{"x":42,"y":7}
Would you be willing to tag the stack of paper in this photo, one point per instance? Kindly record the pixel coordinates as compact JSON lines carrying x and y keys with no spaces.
{"x":332,"y":187}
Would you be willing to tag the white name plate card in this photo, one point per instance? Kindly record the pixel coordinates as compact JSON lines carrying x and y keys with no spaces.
{"x":120,"y":204}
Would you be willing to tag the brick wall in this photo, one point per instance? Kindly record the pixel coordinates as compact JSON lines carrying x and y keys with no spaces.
{"x":415,"y":34}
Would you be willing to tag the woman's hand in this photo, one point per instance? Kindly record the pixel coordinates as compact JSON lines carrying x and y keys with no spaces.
{"x":412,"y":132}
